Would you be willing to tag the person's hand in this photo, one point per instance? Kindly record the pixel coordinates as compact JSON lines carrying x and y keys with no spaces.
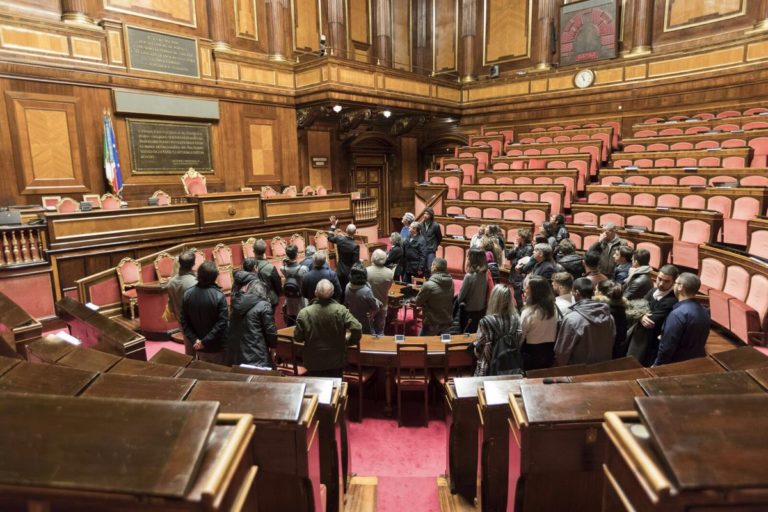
{"x":334,"y":220}
{"x":198,"y":345}
{"x":647,"y":322}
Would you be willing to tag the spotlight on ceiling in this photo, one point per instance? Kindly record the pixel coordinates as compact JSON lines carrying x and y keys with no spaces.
{"x":337,"y":108}
{"x":386,"y":113}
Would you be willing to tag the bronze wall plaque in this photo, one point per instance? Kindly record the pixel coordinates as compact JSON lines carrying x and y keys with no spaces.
{"x":160,"y":147}
{"x":162,"y":53}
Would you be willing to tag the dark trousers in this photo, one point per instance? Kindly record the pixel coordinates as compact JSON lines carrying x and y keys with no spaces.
{"x":334,"y":372}
{"x":540,"y":355}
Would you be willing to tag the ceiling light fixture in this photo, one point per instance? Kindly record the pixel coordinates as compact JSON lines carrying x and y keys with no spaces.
{"x":386,"y":113}
{"x":337,"y":108}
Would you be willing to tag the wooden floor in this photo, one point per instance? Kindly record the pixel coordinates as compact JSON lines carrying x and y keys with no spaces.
{"x":361,"y":496}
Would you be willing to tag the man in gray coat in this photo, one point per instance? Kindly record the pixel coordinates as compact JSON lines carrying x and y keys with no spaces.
{"x":179,"y":284}
{"x":436,"y":300}
{"x":608,"y":242}
{"x":587,"y":331}
{"x":380,"y":278}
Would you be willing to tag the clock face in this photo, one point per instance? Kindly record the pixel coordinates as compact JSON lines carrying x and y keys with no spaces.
{"x":584,"y":78}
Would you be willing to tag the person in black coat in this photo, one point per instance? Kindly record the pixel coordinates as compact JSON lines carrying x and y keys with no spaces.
{"x":516,"y":255}
{"x":252,"y":330}
{"x":319,"y":272}
{"x":639,"y":280}
{"x":661,"y":300}
{"x":395,"y":256}
{"x":347,"y":251}
{"x":609,"y":291}
{"x":415,"y":253}
{"x":433,"y":235}
{"x":205,"y":315}
{"x":569,"y":260}
{"x":544,"y":266}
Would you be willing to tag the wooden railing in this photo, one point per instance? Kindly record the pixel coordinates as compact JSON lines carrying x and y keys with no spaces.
{"x":22,"y":245}
{"x":365,"y":209}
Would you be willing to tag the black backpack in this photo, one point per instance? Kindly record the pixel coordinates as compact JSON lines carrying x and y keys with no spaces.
{"x":292,"y":286}
{"x":505,"y":358}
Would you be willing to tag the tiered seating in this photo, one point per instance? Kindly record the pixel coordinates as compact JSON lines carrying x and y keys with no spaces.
{"x":696,"y":124}
{"x":705,"y":176}
{"x":757,"y":237}
{"x":495,"y":142}
{"x":506,"y":131}
{"x":592,"y":146}
{"x":555,"y":195}
{"x":711,"y":157}
{"x":481,"y":153}
{"x":566,"y":177}
{"x":578,"y":161}
{"x":608,"y":134}
{"x":536,"y":212}
{"x":658,"y":244}
{"x":459,"y":228}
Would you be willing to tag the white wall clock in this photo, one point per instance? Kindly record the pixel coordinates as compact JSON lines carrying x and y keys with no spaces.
{"x":584,"y":78}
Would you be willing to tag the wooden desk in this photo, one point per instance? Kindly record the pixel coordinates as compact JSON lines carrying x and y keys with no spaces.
{"x":139,"y":387}
{"x":95,"y":330}
{"x":219,"y":209}
{"x":692,"y":121}
{"x":562,"y":443}
{"x":46,"y":378}
{"x":171,"y":357}
{"x":721,"y":153}
{"x":742,"y":358}
{"x":133,"y":367}
{"x":683,"y":453}
{"x":48,"y":349}
{"x":614,"y":365}
{"x":463,"y":420}
{"x":760,"y":375}
{"x":123,"y":455}
{"x":23,"y":326}
{"x":730,"y":383}
{"x":648,"y":175}
{"x":283,"y":446}
{"x":212,"y":375}
{"x":7,"y":364}
{"x":88,"y":359}
{"x":689,"y":367}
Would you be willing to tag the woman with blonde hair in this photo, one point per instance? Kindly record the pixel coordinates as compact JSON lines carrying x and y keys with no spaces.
{"x":497,"y":347}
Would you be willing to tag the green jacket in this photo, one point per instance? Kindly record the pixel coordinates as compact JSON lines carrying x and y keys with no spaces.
{"x":436,"y":299}
{"x":322,"y":327}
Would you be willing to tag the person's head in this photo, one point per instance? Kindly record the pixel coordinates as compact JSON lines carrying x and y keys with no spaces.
{"x":257,"y":289}
{"x":291,"y":252}
{"x":500,"y":302}
{"x":324,"y":289}
{"x":611,"y":290}
{"x":687,"y":285}
{"x":493,"y":230}
{"x":558,"y":219}
{"x":477,"y":262}
{"x":207,"y":274}
{"x":582,"y":289}
{"x":539,"y":295}
{"x":591,"y":260}
{"x":609,"y":231}
{"x":249,"y":264}
{"x":548,"y":229}
{"x":540,"y":238}
{"x":351,"y":229}
{"x":523,"y":236}
{"x":414,"y":229}
{"x":542,"y":252}
{"x":318,"y":260}
{"x":378,"y":258}
{"x":562,"y":282}
{"x":260,"y":249}
{"x":439,"y":265}
{"x":641,"y":258}
{"x":395,"y":239}
{"x":408,"y":218}
{"x":358,"y":275}
{"x":310,"y":251}
{"x":566,"y":247}
{"x":665,"y":279}
{"x":623,"y":254}
{"x":186,"y":261}
{"x":429,"y":214}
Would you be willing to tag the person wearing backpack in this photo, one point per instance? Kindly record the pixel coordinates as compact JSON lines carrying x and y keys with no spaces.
{"x":294,"y":274}
{"x":497,"y":347}
{"x":267,"y":273}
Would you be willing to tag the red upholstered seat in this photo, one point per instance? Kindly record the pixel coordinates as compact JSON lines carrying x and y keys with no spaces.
{"x":512,"y":152}
{"x":728,"y":113}
{"x":645,"y":133}
{"x":693,"y":180}
{"x":685,"y":248}
{"x":473,"y":211}
{"x":704,"y":115}
{"x":758,"y":243}
{"x":663,"y":180}
{"x":222,"y":255}
{"x":671,"y":131}
{"x":655,"y":251}
{"x":225,"y":279}
{"x":536,"y":216}
{"x":298,"y":240}
{"x":639,"y":180}
{"x":644,"y":162}
{"x":508,"y":195}
{"x":754,"y":110}
{"x":471,"y":195}
{"x":734,"y":143}
{"x":640,"y":220}
{"x":634,"y":147}
{"x":556,"y":201}
{"x":735,"y":227}
{"x":576,"y":239}
{"x":412,"y":375}
{"x":759,"y":146}
{"x":610,"y":180}
{"x":278,"y":247}
{"x":556,"y":164}
{"x":687,"y":162}
{"x":67,"y":205}
{"x":163,"y":199}
{"x":693,"y":201}
{"x":709,"y":161}
{"x":749,"y":318}
{"x":696,"y":129}
{"x":597,"y":198}
{"x":550,"y":151}
{"x":668,"y":200}
{"x":454,"y":229}
{"x":712,"y":275}
{"x":321,"y":241}
{"x":719,"y":308}
{"x":615,"y":218}
{"x":529,"y":196}
{"x":492,"y":213}
{"x":486,"y":181}
{"x":588,"y":241}
{"x":165,"y":266}
{"x":677,"y":146}
{"x":247,"y":246}
{"x":454,"y":183}
{"x":451,"y":210}
{"x":471,"y":231}
{"x":510,"y":181}
{"x":664,"y":162}
{"x":585,"y":218}
{"x":639,"y":200}
{"x":532,"y":152}
{"x":736,"y":288}
{"x":129,"y":276}
{"x":437,"y":180}
{"x":512,"y":214}
{"x":454,"y":256}
{"x":656,"y":146}
{"x":489,"y":195}
{"x":194,"y":183}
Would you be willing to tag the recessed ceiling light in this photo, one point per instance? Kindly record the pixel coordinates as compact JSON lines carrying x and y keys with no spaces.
{"x":386,"y":113}
{"x":337,"y":108}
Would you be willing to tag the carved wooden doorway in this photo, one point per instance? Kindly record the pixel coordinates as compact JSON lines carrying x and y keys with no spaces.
{"x":370,"y":179}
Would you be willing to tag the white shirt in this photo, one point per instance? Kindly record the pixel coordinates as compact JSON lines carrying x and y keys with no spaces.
{"x":563,"y":302}
{"x":537,"y":330}
{"x":658,"y":294}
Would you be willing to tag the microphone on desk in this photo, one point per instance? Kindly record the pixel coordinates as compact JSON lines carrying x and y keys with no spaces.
{"x":556,"y":380}
{"x":466,"y":329}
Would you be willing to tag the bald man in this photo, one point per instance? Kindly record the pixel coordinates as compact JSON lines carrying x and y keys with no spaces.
{"x":322,"y":327}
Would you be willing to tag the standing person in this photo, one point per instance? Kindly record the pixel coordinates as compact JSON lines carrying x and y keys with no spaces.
{"x":318,"y":272}
{"x":622,"y":257}
{"x":644,"y":341}
{"x":267,"y":273}
{"x":569,"y":260}
{"x":561,"y":231}
{"x":415,"y":250}
{"x":592,"y":268}
{"x":562,"y":285}
{"x":309,"y":253}
{"x":396,"y":256}
{"x":433,"y":235}
{"x":359,"y":298}
{"x":539,"y":324}
{"x":204,"y":315}
{"x":252,"y":330}
{"x":587,"y":331}
{"x":347,"y":251}
{"x":545,"y":265}
{"x":380,"y":279}
{"x":294,"y":275}
{"x":179,"y":284}
{"x":610,"y":292}
{"x":686,"y":329}
{"x":405,"y":232}
{"x":517,"y":255}
{"x":608,"y":242}
{"x":495,"y":233}
{"x":435,"y":300}
{"x":639,"y":280}
{"x":322,"y":327}
{"x":244,"y":276}
{"x":474,"y":291}
{"x":497,"y":347}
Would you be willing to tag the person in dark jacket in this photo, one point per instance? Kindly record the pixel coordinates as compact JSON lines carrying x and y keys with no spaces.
{"x":572,"y":263}
{"x":309,"y":253}
{"x":639,"y":280}
{"x":267,"y":273}
{"x":252,"y":330}
{"x":319,"y":271}
{"x":686,"y":329}
{"x":179,"y":284}
{"x":415,"y":250}
{"x":474,"y":292}
{"x":587,"y":330}
{"x":608,"y":242}
{"x":544,"y":266}
{"x":395,"y":256}
{"x":591,"y":268}
{"x":432,"y":234}
{"x":204,"y":315}
{"x":644,"y":344}
{"x":610,"y":292}
{"x":244,"y":276}
{"x":517,"y":254}
{"x":359,"y":299}
{"x":623,"y":258}
{"x":498,"y":343}
{"x":347,"y":251}
{"x":561,"y":232}
{"x":436,"y":298}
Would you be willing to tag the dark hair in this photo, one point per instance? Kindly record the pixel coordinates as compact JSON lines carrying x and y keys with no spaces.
{"x":541,"y":238}
{"x":566,"y":247}
{"x":207,"y":274}
{"x":627,"y":252}
{"x":583,"y":285}
{"x":249,"y":264}
{"x":548,"y":228}
{"x":642,"y":256}
{"x":358,"y":275}
{"x":592,"y":259}
{"x":291,"y":251}
{"x":477,"y":261}
{"x":559,"y":220}
{"x":186,"y":261}
{"x":429,"y":211}
{"x":611,"y":290}
{"x":259,"y":248}
{"x":525,"y":234}
{"x":440,"y":264}
{"x":670,"y":270}
{"x":563,"y":279}
{"x":540,"y":296}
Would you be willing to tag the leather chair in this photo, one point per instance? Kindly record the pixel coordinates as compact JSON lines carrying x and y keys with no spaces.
{"x":165,"y":267}
{"x":194,"y":183}
{"x":412,"y":375}
{"x":163,"y":199}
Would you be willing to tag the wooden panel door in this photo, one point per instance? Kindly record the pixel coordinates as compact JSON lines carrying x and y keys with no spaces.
{"x":370,"y":180}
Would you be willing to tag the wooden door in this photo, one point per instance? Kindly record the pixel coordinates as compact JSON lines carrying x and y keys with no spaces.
{"x":370,"y":181}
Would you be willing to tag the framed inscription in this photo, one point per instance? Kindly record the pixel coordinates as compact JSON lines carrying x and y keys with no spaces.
{"x":165,"y":147}
{"x":158,"y":52}
{"x":588,"y":31}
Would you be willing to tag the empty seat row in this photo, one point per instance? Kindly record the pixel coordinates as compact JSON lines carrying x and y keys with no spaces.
{"x":692,"y":176}
{"x":728,"y":158}
{"x":615,"y":127}
{"x":566,"y":177}
{"x":495,"y":142}
{"x":691,"y":126}
{"x":606,"y":134}
{"x":555,"y":148}
{"x":535,"y":212}
{"x":577,"y":161}
{"x":555,"y":195}
{"x":708,"y":115}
